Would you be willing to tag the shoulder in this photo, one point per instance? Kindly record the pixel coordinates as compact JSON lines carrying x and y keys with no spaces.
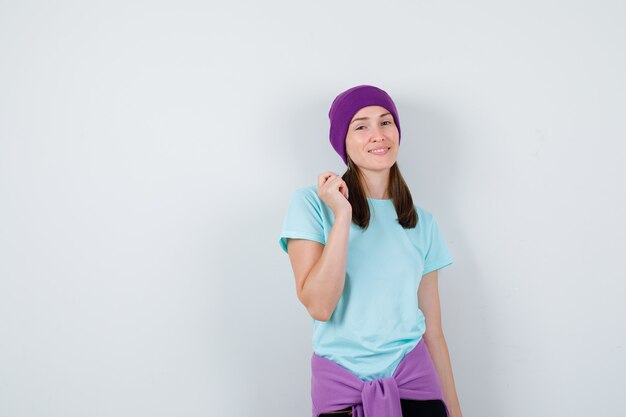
{"x":423,"y":214}
{"x":308,"y":193}
{"x":425,"y":221}
{"x":307,"y":196}
{"x":309,"y":190}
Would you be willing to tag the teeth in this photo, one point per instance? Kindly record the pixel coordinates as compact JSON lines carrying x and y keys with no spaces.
{"x":379,"y":150}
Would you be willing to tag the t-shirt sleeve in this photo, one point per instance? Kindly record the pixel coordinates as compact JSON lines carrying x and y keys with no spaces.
{"x":438,"y":254}
{"x":303,"y":219}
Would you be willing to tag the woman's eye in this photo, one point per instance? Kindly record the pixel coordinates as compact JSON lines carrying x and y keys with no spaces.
{"x":359,"y":128}
{"x":387,"y":121}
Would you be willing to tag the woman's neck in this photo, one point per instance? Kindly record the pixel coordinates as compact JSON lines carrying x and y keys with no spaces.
{"x":376,"y":186}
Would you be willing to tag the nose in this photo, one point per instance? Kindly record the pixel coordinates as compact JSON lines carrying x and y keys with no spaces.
{"x":377,"y":133}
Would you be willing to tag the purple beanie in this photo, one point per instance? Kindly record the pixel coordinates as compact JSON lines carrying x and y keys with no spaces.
{"x":347,"y":104}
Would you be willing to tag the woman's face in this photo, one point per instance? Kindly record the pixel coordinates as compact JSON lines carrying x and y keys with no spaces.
{"x":371,"y":128}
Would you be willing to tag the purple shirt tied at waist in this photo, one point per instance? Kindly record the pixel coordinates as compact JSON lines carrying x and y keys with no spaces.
{"x":334,"y":387}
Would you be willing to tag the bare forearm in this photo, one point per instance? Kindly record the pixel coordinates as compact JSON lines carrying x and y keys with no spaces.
{"x":325,"y":282}
{"x":438,"y":349}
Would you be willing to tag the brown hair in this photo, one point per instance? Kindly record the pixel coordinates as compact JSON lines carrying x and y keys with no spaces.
{"x":398,"y":191}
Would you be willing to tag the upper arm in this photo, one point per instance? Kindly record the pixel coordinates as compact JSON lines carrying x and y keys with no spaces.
{"x":303,"y":235}
{"x":437,"y":256}
{"x":437,"y":253}
{"x":428,"y":302}
{"x":303,"y":255}
{"x":304,"y":218}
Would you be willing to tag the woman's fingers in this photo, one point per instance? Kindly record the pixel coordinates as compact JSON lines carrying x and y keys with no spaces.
{"x":330,"y":186}
{"x":323,"y":178}
{"x":334,"y":181}
{"x":344,"y":189}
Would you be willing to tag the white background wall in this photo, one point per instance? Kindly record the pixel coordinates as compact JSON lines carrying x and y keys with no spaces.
{"x":148,"y":151}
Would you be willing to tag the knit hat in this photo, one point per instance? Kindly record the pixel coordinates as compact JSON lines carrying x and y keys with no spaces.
{"x":347,"y":104}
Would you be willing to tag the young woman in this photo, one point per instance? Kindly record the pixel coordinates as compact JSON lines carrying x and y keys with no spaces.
{"x":365,"y":260}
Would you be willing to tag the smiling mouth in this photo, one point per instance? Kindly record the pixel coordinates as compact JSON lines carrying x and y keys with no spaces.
{"x":381,"y":151}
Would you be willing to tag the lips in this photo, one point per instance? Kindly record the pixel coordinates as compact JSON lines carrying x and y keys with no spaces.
{"x":378,"y":151}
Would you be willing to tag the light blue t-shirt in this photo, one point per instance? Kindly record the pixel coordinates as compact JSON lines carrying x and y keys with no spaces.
{"x":377,"y":320}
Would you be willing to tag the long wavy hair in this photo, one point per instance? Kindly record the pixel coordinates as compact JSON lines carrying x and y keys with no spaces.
{"x":398,"y":191}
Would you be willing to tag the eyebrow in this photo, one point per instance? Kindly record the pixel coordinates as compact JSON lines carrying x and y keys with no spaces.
{"x":365,"y":118}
